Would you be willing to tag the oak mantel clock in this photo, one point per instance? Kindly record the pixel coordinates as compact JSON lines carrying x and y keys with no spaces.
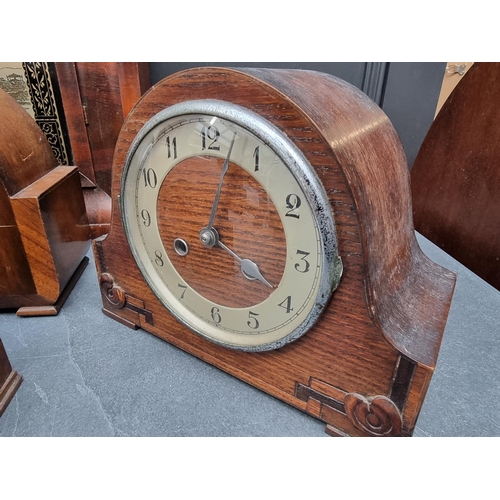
{"x":262,"y":222}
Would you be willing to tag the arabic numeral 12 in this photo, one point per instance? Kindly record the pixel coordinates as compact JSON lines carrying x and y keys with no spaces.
{"x":209,"y":136}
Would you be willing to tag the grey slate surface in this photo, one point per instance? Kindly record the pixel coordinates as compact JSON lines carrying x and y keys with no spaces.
{"x":87,"y":375}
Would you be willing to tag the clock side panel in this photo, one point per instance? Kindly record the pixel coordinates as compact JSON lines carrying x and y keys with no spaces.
{"x":344,"y":354}
{"x":408,"y":294}
{"x":15,"y":275}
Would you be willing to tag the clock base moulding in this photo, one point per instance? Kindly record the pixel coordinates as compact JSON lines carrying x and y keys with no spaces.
{"x":364,"y":367}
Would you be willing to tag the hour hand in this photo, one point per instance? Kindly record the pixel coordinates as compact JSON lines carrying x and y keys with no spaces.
{"x":210,"y":238}
{"x":248,"y":267}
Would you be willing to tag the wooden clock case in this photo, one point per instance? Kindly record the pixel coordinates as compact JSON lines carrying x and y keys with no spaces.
{"x":44,"y":229}
{"x":365,"y":366}
{"x":10,"y":380}
{"x":456,"y":176}
{"x":96,"y":97}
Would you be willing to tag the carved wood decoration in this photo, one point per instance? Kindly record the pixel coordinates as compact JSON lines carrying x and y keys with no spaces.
{"x":46,"y":106}
{"x":456,"y":175}
{"x":364,"y":367}
{"x":10,"y":380}
{"x":43,"y":224}
{"x":96,"y":98}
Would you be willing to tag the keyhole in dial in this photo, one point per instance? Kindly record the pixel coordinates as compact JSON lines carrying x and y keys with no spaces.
{"x":181,"y":247}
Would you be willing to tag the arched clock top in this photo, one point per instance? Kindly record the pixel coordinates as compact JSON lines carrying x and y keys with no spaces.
{"x":403,"y":286}
{"x":27,"y":155}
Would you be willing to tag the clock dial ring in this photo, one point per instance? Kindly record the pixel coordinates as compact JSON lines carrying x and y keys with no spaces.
{"x":316,"y":201}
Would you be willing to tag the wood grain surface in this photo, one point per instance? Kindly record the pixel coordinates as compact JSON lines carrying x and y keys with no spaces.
{"x":392,"y":302}
{"x":44,"y":226}
{"x":75,"y":120}
{"x":245,"y":217}
{"x":456,"y":175}
{"x":97,"y":96}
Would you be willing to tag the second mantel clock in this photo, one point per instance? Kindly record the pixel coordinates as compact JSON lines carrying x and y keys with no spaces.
{"x":262,"y":222}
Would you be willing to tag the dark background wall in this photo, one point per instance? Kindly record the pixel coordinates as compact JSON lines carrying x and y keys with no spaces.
{"x":407,"y":91}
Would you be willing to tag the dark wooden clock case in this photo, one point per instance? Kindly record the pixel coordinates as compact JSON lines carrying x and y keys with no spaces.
{"x":96,"y":97}
{"x":365,"y":366}
{"x":456,"y":176}
{"x":44,"y":230}
{"x":10,"y":380}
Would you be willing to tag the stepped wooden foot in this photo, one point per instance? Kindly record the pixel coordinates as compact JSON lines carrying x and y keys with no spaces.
{"x":54,"y":309}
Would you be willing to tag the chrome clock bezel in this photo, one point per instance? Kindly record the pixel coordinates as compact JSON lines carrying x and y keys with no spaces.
{"x":303,"y":173}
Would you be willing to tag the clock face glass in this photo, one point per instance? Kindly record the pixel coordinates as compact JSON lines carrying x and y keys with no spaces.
{"x":223,"y":223}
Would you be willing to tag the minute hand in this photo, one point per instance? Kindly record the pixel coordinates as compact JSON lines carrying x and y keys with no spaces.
{"x":225,"y":168}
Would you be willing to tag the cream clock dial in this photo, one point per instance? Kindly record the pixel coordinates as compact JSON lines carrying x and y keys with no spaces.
{"x":229,"y":225}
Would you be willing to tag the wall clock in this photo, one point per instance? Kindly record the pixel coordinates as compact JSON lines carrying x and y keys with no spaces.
{"x":262,"y":222}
